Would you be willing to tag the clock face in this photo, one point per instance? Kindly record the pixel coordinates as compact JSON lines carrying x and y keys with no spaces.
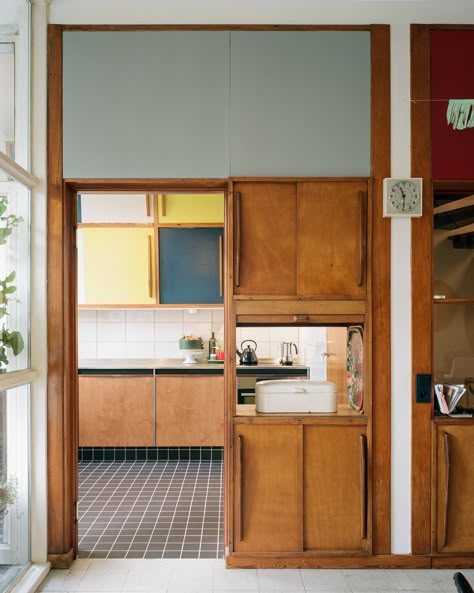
{"x":404,"y":196}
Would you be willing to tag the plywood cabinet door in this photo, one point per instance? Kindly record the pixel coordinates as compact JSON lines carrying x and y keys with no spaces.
{"x":264,"y":238}
{"x":267,"y":488}
{"x":335,"y":488}
{"x":454,"y":485}
{"x":190,"y":411}
{"x":116,"y":266}
{"x":191,"y":208}
{"x":332,"y":226}
{"x":116,"y":411}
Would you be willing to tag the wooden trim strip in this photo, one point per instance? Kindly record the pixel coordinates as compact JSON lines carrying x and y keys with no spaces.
{"x":147,"y":205}
{"x":205,"y":27}
{"x":308,"y":560}
{"x":422,"y":295}
{"x":447,"y":464}
{"x":237,"y":197}
{"x":152,"y":185}
{"x":241,"y":486}
{"x":378,"y":290}
{"x":363,"y":486}
{"x":362,"y":237}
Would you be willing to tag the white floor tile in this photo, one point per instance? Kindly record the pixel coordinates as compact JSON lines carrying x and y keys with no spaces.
{"x":279,"y":580}
{"x":361,"y":579}
{"x":324,"y":579}
{"x":62,"y":580}
{"x":418,"y":579}
{"x":156,"y":581}
{"x":102,"y":580}
{"x":235,"y":579}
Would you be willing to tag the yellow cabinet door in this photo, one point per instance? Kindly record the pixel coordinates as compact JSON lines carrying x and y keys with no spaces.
{"x":116,"y":266}
{"x":190,"y":208}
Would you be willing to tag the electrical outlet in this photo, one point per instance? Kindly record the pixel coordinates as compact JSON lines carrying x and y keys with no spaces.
{"x":423,"y":389}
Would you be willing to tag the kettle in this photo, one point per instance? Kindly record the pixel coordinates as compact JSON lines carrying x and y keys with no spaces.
{"x":248,"y":356}
{"x":286,"y":356}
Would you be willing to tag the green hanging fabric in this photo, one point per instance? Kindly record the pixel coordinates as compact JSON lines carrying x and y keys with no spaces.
{"x":460,"y":113}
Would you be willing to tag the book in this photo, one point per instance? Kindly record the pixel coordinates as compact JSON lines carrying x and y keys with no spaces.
{"x":448,"y":396}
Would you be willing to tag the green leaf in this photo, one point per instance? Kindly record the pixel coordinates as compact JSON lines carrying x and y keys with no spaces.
{"x":4,"y":234}
{"x":13,"y":340}
{"x":10,"y":277}
{"x":9,"y":289}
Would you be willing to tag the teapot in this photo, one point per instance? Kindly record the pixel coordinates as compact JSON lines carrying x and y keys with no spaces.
{"x":248,"y":355}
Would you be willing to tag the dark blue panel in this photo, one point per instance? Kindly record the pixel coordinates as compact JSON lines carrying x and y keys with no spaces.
{"x":79,"y":208}
{"x":189,"y":265}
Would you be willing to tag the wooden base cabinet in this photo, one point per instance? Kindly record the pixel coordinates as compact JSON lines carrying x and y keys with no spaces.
{"x":190,"y":411}
{"x":300,"y":488}
{"x":453,"y":488}
{"x":116,"y":411}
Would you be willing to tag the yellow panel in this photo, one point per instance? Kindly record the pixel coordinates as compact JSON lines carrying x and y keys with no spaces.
{"x":119,"y":266}
{"x":189,"y":208}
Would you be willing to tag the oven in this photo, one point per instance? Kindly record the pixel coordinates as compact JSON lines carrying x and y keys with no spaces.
{"x":248,"y":377}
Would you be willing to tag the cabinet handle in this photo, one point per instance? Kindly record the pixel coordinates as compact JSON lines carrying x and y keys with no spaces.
{"x":221,"y":286}
{"x":363,"y":486}
{"x":362,"y":241}
{"x":241,"y":485}
{"x":163,"y":205}
{"x":147,"y":204}
{"x":300,"y":317}
{"x":237,"y":238}
{"x":150,"y":265}
{"x":446,"y":488}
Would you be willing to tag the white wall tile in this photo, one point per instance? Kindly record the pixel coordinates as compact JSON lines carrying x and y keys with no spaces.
{"x":218,"y":316}
{"x":111,"y":349}
{"x":284,"y":334}
{"x":87,"y":332}
{"x":87,"y":350}
{"x":139,"y":316}
{"x":139,"y":332}
{"x":197,"y":315}
{"x":169,"y":315}
{"x":167,"y":350}
{"x":197,"y":329}
{"x":111,"y":332}
{"x":140,"y":350}
{"x":261,"y":334}
{"x":110,"y":315}
{"x":168,"y":332}
{"x":87,"y":315}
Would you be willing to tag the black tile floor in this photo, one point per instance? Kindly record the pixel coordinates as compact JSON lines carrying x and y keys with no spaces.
{"x":146,"y":509}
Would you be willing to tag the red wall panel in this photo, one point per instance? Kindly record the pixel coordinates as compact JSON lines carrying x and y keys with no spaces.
{"x":452,"y":77}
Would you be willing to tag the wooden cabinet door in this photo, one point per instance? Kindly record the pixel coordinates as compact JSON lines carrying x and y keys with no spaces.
{"x":191,"y":261}
{"x":116,"y":266}
{"x":116,"y":411}
{"x":267,"y":488}
{"x":335,"y":488}
{"x":332,"y":239}
{"x":190,"y":411}
{"x":191,"y":208}
{"x":264,"y":238}
{"x":454,"y":487}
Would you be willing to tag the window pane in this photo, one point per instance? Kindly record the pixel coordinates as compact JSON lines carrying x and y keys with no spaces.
{"x":14,"y":80}
{"x":14,"y":483}
{"x":14,"y":276}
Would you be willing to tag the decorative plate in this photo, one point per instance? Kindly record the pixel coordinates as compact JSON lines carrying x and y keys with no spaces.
{"x":355,"y":367}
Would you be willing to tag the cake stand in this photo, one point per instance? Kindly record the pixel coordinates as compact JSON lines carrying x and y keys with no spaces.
{"x":191,"y":355}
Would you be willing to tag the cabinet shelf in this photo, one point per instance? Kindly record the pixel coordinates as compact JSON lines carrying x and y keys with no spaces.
{"x":452,"y":301}
{"x":457,"y":217}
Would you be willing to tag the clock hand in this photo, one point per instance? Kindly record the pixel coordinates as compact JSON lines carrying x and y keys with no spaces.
{"x":403,"y":198}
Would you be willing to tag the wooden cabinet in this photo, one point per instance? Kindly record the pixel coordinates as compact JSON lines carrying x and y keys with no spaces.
{"x":300,"y":488}
{"x":116,"y":411}
{"x":335,"y":488}
{"x":116,"y":266}
{"x":305,"y":238}
{"x":190,"y":208}
{"x":453,"y":488}
{"x":267,"y":484}
{"x":191,"y":265}
{"x":190,"y":410}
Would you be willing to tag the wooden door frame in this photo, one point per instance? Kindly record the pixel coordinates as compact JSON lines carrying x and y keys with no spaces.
{"x":422,"y":283}
{"x":61,"y":309}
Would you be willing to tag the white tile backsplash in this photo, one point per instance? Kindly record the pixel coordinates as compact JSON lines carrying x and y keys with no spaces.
{"x":136,"y":333}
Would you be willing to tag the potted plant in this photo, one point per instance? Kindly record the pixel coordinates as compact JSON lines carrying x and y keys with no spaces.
{"x":9,"y":339}
{"x":8,"y":494}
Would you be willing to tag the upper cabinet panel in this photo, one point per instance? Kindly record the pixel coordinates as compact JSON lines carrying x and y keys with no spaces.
{"x":121,"y":208}
{"x":300,"y":103}
{"x":191,"y":208}
{"x":452,"y":105}
{"x":146,"y":103}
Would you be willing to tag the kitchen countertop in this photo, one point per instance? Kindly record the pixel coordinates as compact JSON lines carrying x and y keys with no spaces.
{"x":170,"y":365}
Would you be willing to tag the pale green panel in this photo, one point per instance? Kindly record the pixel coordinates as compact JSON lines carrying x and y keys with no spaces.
{"x":146,"y":103}
{"x":300,"y":103}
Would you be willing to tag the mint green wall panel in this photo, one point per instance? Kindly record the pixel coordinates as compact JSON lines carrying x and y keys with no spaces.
{"x":146,"y":103}
{"x":300,"y":103}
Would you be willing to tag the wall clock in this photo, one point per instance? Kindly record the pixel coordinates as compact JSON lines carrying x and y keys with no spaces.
{"x":402,"y":197}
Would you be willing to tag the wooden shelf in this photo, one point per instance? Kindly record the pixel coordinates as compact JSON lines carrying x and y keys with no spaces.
{"x":457,"y":217}
{"x":452,"y":301}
